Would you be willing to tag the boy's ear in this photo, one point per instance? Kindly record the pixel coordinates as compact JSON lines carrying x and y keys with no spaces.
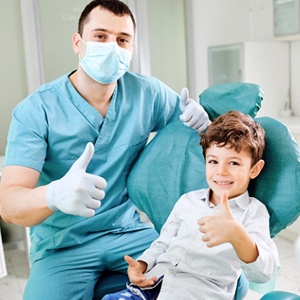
{"x":256,"y":169}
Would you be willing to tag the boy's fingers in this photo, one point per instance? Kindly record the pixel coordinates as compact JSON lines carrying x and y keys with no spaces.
{"x":224,"y":201}
{"x":130,"y":260}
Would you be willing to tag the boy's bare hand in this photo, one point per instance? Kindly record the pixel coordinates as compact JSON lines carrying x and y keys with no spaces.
{"x":135,"y":272}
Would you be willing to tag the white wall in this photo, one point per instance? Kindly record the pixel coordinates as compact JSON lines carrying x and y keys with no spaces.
{"x":168,"y":42}
{"x":13,"y":75}
{"x":212,"y":22}
{"x":295,"y":80}
{"x":57,"y":30}
{"x":215,"y":22}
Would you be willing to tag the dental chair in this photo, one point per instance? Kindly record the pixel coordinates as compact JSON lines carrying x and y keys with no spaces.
{"x":172,"y":164}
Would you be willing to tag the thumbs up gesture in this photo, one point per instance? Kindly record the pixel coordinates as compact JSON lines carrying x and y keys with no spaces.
{"x":219,"y":228}
{"x":77,"y":193}
{"x":193,"y":114}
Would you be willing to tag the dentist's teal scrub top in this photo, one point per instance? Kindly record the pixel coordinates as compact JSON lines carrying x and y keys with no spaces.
{"x":49,"y":131}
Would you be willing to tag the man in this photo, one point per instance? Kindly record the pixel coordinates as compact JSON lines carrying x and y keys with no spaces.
{"x":71,"y":144}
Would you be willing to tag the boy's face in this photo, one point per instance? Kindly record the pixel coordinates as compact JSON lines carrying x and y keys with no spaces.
{"x":228,"y":170}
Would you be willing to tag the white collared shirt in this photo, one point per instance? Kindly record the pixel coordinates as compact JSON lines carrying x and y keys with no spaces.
{"x":192,"y":270}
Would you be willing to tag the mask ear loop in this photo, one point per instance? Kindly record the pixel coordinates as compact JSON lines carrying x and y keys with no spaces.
{"x":81,"y":40}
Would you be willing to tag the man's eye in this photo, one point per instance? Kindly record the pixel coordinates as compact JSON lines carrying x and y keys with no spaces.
{"x":122,"y":41}
{"x":100,"y":37}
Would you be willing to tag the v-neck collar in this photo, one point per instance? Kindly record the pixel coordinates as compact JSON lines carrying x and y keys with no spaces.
{"x":91,"y":114}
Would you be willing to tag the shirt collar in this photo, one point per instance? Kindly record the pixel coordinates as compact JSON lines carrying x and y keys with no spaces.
{"x":242,"y":201}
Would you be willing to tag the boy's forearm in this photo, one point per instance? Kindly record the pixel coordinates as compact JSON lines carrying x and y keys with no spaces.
{"x":244,"y":245}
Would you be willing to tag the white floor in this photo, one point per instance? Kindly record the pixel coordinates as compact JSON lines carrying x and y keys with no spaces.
{"x":12,"y":286}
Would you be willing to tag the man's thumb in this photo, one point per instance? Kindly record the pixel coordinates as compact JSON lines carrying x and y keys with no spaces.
{"x":184,"y":97}
{"x":85,"y":158}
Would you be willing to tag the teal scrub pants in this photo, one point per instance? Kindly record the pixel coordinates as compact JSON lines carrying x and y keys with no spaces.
{"x":74,"y":273}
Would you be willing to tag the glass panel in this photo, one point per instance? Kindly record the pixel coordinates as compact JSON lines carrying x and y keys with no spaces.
{"x":286,"y":17}
{"x":225,"y":64}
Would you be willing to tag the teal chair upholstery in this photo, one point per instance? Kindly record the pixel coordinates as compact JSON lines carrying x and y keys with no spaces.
{"x":172,"y":164}
{"x":279,"y":295}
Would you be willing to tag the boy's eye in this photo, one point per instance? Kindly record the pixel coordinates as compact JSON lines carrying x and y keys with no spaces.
{"x":212,"y":161}
{"x":234,"y":163}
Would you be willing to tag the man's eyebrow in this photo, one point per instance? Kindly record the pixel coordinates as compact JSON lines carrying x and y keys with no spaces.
{"x":108,"y":31}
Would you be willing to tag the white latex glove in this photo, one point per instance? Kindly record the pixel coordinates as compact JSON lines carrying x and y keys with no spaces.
{"x":193,"y":114}
{"x":77,"y":193}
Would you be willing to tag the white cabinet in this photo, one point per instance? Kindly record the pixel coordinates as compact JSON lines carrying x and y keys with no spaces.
{"x":263,"y":63}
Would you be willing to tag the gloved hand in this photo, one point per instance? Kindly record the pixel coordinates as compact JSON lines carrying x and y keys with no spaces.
{"x":193,"y":114}
{"x":77,"y":193}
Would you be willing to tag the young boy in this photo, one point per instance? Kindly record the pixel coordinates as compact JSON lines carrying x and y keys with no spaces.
{"x":213,"y":234}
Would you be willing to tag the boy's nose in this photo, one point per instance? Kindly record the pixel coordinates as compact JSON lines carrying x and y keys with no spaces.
{"x":221,"y":169}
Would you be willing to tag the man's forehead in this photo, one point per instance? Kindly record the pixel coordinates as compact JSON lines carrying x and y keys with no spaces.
{"x":101,"y":19}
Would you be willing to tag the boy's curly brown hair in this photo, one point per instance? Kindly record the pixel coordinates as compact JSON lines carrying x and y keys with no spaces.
{"x":235,"y":130}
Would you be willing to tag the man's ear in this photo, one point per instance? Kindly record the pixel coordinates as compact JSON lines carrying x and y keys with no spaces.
{"x":75,"y":42}
{"x":256,"y":169}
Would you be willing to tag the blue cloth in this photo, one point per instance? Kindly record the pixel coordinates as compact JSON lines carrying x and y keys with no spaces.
{"x":134,"y":292}
{"x":241,"y":288}
{"x":50,"y":130}
{"x":73,"y":273}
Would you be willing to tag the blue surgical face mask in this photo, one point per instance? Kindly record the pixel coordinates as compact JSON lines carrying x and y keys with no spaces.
{"x":105,"y":62}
